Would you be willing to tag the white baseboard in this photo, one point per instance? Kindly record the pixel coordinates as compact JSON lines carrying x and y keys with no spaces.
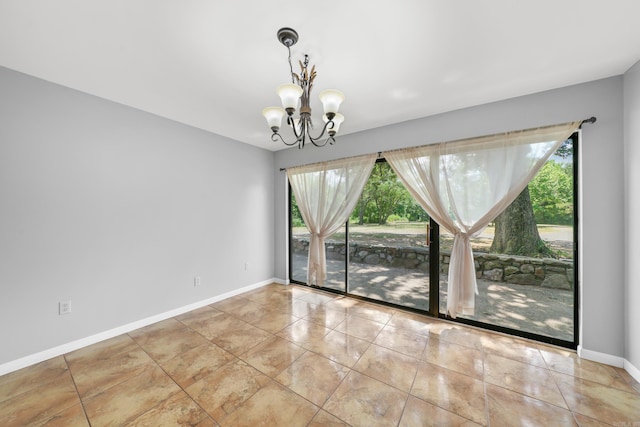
{"x":618,"y":362}
{"x":32,"y":359}
{"x":596,"y":356}
{"x":633,"y":371}
{"x":280,"y":281}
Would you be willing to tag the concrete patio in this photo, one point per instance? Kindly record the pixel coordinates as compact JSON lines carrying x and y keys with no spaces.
{"x":532,"y":309}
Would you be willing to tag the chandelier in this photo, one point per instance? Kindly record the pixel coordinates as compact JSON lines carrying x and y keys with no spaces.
{"x":298,"y":92}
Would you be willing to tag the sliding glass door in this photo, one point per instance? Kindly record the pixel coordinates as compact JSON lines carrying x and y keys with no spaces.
{"x":382,"y":252}
{"x":390,"y":263}
{"x":526,"y":260}
{"x":335,"y":248}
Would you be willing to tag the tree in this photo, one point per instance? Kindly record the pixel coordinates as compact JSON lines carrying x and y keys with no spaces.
{"x":381,"y":196}
{"x":363,"y":203}
{"x":552,"y":194}
{"x":516,"y":230}
{"x":411,"y":210}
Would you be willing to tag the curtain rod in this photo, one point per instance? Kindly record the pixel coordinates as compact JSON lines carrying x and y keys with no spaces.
{"x":342,"y":158}
{"x":590,"y":120}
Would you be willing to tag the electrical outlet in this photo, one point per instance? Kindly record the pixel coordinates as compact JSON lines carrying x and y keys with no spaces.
{"x":64,"y":307}
{"x":196,"y":281}
{"x":246,"y":266}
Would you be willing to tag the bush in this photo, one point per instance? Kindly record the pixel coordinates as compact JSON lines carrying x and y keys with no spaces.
{"x":396,"y":218}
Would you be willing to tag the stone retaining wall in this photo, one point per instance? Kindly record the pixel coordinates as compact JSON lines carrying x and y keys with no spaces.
{"x":546,"y":272}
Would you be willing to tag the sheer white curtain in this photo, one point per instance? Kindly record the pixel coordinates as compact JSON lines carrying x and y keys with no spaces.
{"x":464,"y":185}
{"x":326,"y":194}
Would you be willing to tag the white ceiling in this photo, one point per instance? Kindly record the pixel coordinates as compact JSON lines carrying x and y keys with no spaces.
{"x":215,"y":65}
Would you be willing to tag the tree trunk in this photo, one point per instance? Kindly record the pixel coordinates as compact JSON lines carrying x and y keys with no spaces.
{"x":516,"y":230}
{"x":361,"y":206}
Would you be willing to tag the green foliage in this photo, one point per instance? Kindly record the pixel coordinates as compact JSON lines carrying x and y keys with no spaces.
{"x":552,"y":194}
{"x":386,"y":191}
{"x":297,"y":222}
{"x":397,"y":218}
{"x":565,"y":151}
{"x":296,"y":217}
{"x":383,"y":196}
{"x":411,"y":210}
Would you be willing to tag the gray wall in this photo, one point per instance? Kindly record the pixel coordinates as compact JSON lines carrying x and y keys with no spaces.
{"x":118,"y":210}
{"x":632,"y":191}
{"x":601,"y":163}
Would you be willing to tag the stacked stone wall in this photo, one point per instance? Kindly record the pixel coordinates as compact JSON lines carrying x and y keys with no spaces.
{"x":545,"y":272}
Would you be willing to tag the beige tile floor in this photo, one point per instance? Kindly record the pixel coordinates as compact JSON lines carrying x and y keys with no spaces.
{"x":293,"y":356}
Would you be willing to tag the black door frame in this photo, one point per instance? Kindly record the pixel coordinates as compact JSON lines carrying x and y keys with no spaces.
{"x":434,"y":272}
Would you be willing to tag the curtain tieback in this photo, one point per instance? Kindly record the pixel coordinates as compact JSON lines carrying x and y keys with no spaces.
{"x":464,"y":236}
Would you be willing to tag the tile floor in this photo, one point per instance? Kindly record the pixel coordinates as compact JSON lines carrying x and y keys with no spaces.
{"x":293,"y":356}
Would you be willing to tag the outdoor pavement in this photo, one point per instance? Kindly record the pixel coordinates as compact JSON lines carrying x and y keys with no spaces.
{"x":532,"y":309}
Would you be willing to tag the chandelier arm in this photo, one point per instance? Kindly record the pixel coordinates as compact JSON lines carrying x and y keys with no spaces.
{"x":329,"y":139}
{"x":277,"y":136}
{"x":303,"y":126}
{"x":304,"y":133}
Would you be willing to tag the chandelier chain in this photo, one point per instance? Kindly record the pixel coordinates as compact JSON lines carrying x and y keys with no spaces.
{"x":291,"y":66}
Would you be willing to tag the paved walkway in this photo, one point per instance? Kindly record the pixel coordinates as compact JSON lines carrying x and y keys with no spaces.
{"x":533,"y":309}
